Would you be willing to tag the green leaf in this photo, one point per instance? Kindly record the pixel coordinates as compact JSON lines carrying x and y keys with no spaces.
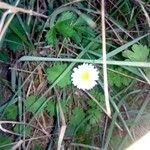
{"x":4,"y":56}
{"x":95,"y":115}
{"x":77,"y":116}
{"x":13,"y":42}
{"x":93,"y":110}
{"x":68,"y":31}
{"x":68,"y":15}
{"x":20,"y":129}
{"x":138,"y":53}
{"x":126,"y":8}
{"x":65,"y":28}
{"x":64,"y":105}
{"x":85,"y":30}
{"x":38,"y":147}
{"x":51,"y":36}
{"x":76,"y":38}
{"x":76,"y":120}
{"x":54,"y":72}
{"x":11,"y":112}
{"x":99,"y":97}
{"x":69,"y":25}
{"x":80,"y":21}
{"x":34,"y":103}
{"x":116,"y":79}
{"x":5,"y":140}
{"x":50,"y":107}
{"x":17,"y":31}
{"x":88,"y":20}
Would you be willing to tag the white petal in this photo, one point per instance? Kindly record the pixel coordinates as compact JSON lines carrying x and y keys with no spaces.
{"x":79,"y":82}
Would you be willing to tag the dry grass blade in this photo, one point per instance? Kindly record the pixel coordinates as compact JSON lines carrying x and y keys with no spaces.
{"x":3,"y":25}
{"x":14,"y":9}
{"x":18,"y":123}
{"x":105,"y":59}
{"x":3,"y":18}
{"x":144,"y":76}
{"x":8,"y":131}
{"x":17,"y":145}
{"x":72,"y":2}
{"x":85,"y":146}
{"x":145,"y":12}
{"x":63,"y":127}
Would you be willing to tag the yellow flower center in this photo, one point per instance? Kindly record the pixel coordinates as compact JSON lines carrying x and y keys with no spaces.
{"x":85,"y":75}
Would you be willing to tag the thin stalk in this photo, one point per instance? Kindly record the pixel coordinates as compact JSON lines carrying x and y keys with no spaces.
{"x":106,"y":93}
{"x":98,"y":61}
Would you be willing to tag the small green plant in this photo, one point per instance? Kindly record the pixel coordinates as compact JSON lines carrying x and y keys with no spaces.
{"x":11,"y":112}
{"x":76,"y":119}
{"x":38,"y":147}
{"x":82,"y":120}
{"x":139,"y":53}
{"x":52,"y":104}
{"x":94,"y":112}
{"x":69,"y":25}
{"x":51,"y":108}
{"x":118,"y":77}
{"x":4,"y":56}
{"x":21,"y":129}
{"x":55,"y":71}
{"x":33,"y":103}
{"x":16,"y":37}
{"x":4,"y":140}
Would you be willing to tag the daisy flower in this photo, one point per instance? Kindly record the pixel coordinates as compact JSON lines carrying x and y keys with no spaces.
{"x":85,"y":76}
